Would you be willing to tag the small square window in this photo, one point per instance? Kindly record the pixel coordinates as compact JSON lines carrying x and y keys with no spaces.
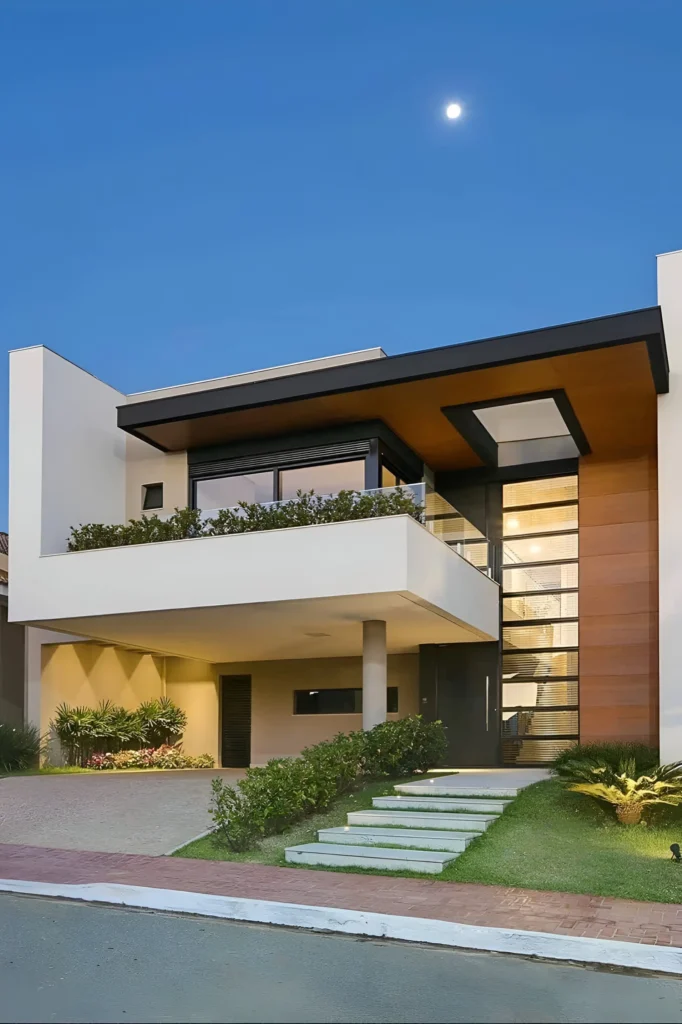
{"x":152,"y":496}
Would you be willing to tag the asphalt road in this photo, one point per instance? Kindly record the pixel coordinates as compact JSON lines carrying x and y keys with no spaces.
{"x":74,"y":962}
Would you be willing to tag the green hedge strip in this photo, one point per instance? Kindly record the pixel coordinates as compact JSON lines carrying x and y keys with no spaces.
{"x":285,"y":790}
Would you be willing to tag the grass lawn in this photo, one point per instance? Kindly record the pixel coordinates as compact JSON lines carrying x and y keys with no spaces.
{"x":565,"y":842}
{"x":271,"y":850}
{"x":49,"y":771}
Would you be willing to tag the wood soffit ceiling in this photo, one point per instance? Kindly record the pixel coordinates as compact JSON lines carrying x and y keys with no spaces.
{"x":611,"y":390}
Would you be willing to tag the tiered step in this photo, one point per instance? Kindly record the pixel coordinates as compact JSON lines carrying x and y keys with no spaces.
{"x":424,"y":839}
{"x":422,"y":828}
{"x":430,"y":862}
{"x":435,"y":803}
{"x":424,"y":819}
{"x":434,"y":788}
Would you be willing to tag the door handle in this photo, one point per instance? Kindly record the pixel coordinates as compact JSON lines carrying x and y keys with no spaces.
{"x":487,"y":702}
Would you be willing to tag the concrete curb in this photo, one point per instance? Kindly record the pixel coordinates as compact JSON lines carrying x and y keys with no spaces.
{"x":633,"y":955}
{"x":202,"y":835}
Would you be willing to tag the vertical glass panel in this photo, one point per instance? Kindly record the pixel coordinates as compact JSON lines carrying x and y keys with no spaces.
{"x":525,"y":751}
{"x":539,"y":664}
{"x":544,"y":693}
{"x":329,"y":478}
{"x":548,"y":634}
{"x":540,"y":549}
{"x":540,"y":606}
{"x":228,"y":491}
{"x":539,"y":723}
{"x":540,"y":578}
{"x":540,"y":492}
{"x":540,"y":520}
{"x":388,"y":477}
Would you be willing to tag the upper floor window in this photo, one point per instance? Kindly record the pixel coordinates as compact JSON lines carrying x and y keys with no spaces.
{"x":326,"y":479}
{"x":228,"y":491}
{"x":152,"y":496}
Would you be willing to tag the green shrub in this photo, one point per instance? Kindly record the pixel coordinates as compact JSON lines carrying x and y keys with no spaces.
{"x":404,"y":746}
{"x":612,"y":754}
{"x":304,"y":510}
{"x":109,"y":728}
{"x":162,"y":722}
{"x":20,"y":747}
{"x":283,"y":791}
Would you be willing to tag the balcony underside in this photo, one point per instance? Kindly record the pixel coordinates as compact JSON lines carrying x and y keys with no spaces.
{"x":320,"y":628}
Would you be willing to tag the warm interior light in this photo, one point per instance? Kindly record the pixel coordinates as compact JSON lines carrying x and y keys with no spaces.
{"x":535,"y":549}
{"x":513,"y":524}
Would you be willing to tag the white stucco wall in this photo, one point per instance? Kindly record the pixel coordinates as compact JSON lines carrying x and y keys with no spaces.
{"x":67,"y":456}
{"x":670,"y":503}
{"x":390,"y":555}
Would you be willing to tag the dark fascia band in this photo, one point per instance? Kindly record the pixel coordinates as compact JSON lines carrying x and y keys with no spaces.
{"x":466,"y":422}
{"x":603,"y":332}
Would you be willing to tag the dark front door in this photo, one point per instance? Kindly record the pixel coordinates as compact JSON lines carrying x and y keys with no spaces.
{"x":460,"y":686}
{"x":236,"y":721}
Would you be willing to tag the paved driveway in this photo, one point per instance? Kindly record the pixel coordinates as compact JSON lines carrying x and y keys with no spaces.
{"x":126,"y":812}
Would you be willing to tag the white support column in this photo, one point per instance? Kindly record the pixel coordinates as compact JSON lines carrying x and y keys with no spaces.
{"x":374,"y":673}
{"x":669,"y":505}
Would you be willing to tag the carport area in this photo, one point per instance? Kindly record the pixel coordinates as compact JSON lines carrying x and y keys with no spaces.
{"x":112,"y":812}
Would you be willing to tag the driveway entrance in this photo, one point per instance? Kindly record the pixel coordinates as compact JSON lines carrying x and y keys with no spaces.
{"x":116,"y":812}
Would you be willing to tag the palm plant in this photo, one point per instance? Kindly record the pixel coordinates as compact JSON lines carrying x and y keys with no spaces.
{"x":20,"y":747}
{"x":77,"y":729}
{"x":623,"y":787}
{"x":162,"y":722}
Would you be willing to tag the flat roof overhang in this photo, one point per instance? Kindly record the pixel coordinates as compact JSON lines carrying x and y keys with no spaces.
{"x":611,"y":369}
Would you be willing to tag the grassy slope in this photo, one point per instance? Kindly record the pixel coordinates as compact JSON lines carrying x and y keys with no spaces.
{"x":551,"y":839}
{"x":271,"y":850}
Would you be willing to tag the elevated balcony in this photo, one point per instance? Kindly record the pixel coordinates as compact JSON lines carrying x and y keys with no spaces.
{"x":296,"y":592}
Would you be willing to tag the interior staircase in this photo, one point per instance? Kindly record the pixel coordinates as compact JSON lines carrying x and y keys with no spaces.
{"x":424,"y":827}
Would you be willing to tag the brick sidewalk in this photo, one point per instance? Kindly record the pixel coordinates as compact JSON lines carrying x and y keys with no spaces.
{"x":487,"y":905}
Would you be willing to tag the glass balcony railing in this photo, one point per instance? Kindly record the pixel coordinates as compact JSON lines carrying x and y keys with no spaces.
{"x":424,"y":505}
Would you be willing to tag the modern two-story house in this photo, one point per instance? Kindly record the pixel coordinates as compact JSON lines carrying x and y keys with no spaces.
{"x":535,"y":599}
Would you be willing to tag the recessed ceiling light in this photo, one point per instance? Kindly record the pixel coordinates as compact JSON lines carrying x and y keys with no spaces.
{"x":513,"y":524}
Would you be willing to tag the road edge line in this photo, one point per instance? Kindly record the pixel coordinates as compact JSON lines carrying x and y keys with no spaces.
{"x":549,"y":946}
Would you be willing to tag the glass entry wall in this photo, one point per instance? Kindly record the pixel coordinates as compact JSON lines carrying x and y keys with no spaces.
{"x":539,"y":619}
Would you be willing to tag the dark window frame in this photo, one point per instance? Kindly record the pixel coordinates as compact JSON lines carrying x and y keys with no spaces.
{"x":392,"y":700}
{"x":147,"y":489}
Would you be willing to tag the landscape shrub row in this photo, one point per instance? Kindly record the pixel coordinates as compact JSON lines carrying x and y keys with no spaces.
{"x":285,"y":790}
{"x":166,"y":756}
{"x":109,"y":728}
{"x":307,"y":509}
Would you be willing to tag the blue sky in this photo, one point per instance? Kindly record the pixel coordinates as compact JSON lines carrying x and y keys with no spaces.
{"x":195,"y":188}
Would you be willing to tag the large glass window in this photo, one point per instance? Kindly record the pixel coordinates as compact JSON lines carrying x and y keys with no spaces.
{"x":228,"y":491}
{"x":540,"y":614}
{"x":326,"y":479}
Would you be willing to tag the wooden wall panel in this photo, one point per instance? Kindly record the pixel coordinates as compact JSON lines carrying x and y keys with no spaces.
{"x":618,"y":600}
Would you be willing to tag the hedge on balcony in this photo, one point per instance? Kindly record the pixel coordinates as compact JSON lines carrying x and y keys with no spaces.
{"x":307,"y":509}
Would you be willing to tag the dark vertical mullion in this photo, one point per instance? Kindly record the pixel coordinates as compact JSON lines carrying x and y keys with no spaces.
{"x":373,"y":466}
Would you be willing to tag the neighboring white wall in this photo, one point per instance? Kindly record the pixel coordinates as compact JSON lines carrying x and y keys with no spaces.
{"x":147,"y":465}
{"x":392,"y":554}
{"x":669,"y":505}
{"x":67,"y":456}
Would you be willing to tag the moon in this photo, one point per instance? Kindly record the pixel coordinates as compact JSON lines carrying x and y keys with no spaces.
{"x":453,"y":111}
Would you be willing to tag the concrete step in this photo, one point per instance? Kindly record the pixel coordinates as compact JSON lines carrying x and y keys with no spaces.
{"x":434,"y":803}
{"x":437,"y":789}
{"x":423,"y":819}
{"x":422,"y":838}
{"x":340,"y":855}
